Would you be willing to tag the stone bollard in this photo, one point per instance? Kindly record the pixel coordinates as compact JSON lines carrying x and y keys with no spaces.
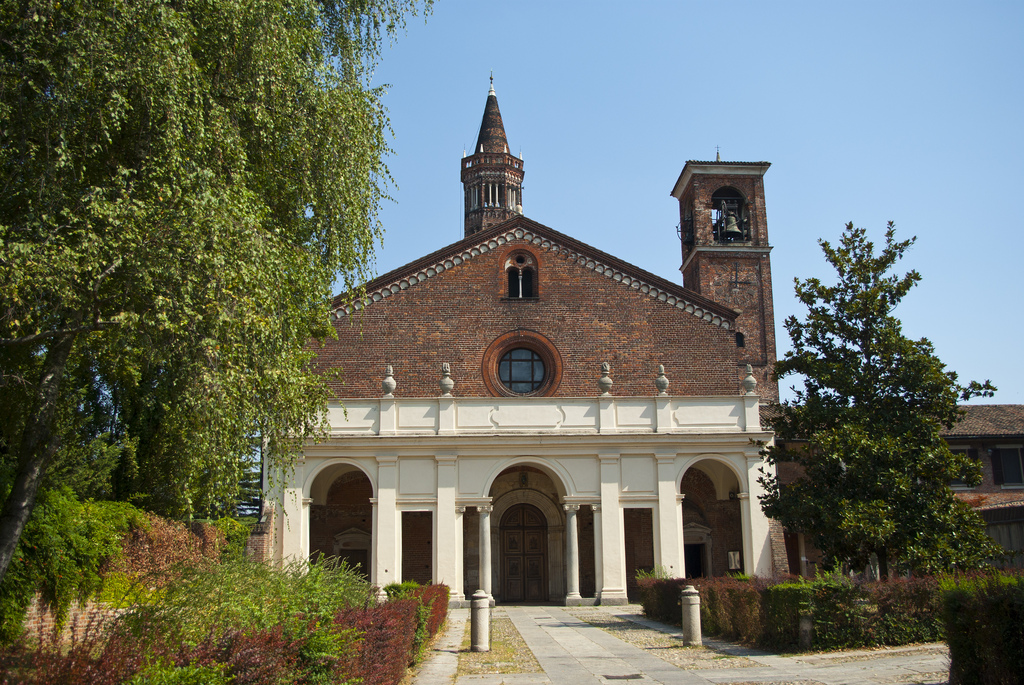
{"x":806,"y":630}
{"x":480,"y":622}
{"x":691,"y":617}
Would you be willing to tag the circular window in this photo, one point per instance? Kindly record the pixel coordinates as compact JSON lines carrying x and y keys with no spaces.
{"x":521,"y":370}
{"x":521,"y":362}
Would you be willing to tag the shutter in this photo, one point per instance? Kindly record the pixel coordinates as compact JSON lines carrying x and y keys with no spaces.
{"x":997,"y":467}
{"x":513,"y":282}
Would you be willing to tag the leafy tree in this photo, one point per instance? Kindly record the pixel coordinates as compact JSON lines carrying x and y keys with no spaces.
{"x":866,"y":425}
{"x":182,"y":182}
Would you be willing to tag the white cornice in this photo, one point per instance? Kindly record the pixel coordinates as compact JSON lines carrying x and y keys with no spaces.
{"x":546,"y":244}
{"x":713,"y":169}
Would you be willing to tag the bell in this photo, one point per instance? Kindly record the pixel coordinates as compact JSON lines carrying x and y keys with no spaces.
{"x":732,"y":229}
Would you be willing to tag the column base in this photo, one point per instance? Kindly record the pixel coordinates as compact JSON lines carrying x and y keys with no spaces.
{"x":573,"y":600}
{"x":612,"y":598}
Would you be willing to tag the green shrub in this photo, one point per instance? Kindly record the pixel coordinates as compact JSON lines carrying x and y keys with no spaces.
{"x":401,"y":590}
{"x":242,"y":594}
{"x":169,"y":674}
{"x":783,"y":605}
{"x":984,"y":622}
{"x":61,"y":553}
{"x":840,"y":609}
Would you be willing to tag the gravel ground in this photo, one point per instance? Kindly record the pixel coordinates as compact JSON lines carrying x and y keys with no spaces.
{"x":509,"y":653}
{"x":660,"y":644}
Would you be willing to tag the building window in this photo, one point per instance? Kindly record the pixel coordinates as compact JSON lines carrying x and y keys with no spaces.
{"x":521,"y":362}
{"x":521,"y":370}
{"x":1007,"y":468}
{"x":521,"y":270}
{"x":740,"y":342}
{"x":971,"y":453}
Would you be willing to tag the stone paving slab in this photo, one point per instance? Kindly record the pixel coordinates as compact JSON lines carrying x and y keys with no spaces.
{"x":573,"y":652}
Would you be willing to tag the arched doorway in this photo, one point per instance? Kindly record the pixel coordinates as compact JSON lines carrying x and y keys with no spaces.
{"x":712,"y":526}
{"x":524,"y":544}
{"x":341,"y":517}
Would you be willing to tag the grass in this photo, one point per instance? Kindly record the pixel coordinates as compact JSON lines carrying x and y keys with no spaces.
{"x":509,"y":653}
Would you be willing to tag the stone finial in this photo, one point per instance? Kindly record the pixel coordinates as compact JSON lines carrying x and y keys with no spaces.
{"x":661,"y":382}
{"x":388,"y":385}
{"x":446,"y":381}
{"x":749,"y":382}
{"x":605,"y":382}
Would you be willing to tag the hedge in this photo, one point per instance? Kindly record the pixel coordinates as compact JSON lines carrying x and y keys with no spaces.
{"x":767,"y":613}
{"x":984,"y":621}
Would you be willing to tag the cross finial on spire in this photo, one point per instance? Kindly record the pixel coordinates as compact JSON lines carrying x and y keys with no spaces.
{"x":718,"y":155}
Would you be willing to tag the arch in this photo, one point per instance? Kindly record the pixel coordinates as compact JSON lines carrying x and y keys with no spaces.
{"x":719,"y":469}
{"x":315,"y":487}
{"x":560,"y":478}
{"x":522,"y":271}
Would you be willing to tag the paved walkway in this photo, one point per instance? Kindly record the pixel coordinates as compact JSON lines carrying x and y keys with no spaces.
{"x":573,"y":652}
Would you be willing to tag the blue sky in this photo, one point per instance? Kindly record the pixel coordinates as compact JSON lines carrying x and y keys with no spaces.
{"x":908,"y":111}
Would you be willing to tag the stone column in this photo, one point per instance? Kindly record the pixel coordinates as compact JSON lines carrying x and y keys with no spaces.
{"x":668,"y":523}
{"x":388,"y":524}
{"x":458,"y":589}
{"x":485,"y":548}
{"x":572,"y":556}
{"x":598,"y":557}
{"x":612,"y":544}
{"x":748,"y":540}
{"x":445,"y":525}
{"x":292,"y":526}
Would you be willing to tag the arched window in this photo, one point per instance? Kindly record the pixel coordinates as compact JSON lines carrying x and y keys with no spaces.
{"x":521,"y":270}
{"x":730,"y":219}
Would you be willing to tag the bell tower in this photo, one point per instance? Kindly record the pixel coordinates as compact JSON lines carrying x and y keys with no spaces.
{"x":724,"y":232}
{"x":492,"y":179}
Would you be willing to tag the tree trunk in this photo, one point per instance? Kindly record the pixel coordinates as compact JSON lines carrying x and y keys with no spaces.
{"x":38,"y":446}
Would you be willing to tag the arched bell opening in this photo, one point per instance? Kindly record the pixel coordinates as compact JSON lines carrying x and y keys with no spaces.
{"x":712,"y":520}
{"x":341,"y":517}
{"x":730,"y":216}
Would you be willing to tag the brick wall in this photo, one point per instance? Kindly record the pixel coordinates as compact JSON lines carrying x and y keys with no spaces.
{"x":417,"y":546}
{"x":638,"y":527}
{"x":41,"y":622}
{"x":587,"y":317}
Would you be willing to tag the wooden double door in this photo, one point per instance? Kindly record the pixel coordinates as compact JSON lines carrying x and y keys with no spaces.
{"x":524,"y":555}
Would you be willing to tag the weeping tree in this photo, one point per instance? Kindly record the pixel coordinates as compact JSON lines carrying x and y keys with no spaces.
{"x":183,"y":181}
{"x":865,"y":429}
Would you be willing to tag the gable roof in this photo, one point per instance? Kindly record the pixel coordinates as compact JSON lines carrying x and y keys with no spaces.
{"x":989,"y":421}
{"x":546,"y":239}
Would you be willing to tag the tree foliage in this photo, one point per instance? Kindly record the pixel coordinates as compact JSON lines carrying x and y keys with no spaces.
{"x":866,"y":427}
{"x":182,"y":180}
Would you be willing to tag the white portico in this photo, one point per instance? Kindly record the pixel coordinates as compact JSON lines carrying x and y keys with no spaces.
{"x":491,"y":491}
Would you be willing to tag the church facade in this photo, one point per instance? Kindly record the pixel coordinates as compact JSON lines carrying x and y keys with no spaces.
{"x":522,"y":413}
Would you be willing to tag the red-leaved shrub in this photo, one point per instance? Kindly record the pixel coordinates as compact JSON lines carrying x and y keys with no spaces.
{"x":386,"y":648}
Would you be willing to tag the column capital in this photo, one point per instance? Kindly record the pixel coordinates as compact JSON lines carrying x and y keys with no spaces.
{"x":460,"y":509}
{"x":680,"y":497}
{"x":485,"y":508}
{"x":445,"y":458}
{"x":742,"y":495}
{"x":596,"y":508}
{"x":571,"y":507}
{"x":306,"y":501}
{"x":389,"y":460}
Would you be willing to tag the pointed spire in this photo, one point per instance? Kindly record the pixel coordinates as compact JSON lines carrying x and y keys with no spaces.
{"x":492,"y":129}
